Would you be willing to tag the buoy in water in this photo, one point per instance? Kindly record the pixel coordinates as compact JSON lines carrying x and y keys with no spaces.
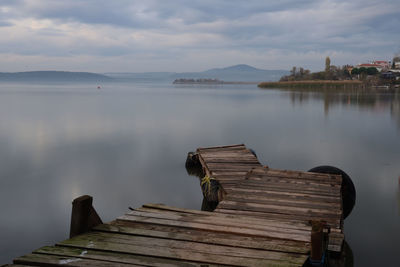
{"x":98,"y":87}
{"x":348,"y":189}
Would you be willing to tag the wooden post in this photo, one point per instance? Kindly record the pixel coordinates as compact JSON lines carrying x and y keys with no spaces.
{"x":317,"y":243}
{"x":84,"y":217}
{"x":193,"y":165}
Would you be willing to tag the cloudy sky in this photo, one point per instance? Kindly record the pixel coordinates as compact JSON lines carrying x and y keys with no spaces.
{"x":194,"y":35}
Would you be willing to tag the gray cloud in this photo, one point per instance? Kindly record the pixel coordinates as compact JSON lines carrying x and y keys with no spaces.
{"x":99,"y":29}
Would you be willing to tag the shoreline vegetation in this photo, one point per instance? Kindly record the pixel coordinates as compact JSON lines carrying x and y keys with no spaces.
{"x":317,"y":84}
{"x":208,"y":81}
{"x":339,"y":78}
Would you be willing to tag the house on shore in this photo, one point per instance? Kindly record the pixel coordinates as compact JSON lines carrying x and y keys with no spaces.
{"x":380,"y":65}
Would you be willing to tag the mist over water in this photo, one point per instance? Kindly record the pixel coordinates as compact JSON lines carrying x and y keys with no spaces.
{"x":126,"y":145}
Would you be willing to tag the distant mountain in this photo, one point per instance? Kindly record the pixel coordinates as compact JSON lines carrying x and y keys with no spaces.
{"x":237,"y":73}
{"x":52,"y":76}
{"x":240,"y":67}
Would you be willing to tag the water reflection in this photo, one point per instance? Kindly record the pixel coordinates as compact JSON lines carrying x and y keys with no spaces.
{"x":398,"y":196}
{"x":375,"y":102}
{"x":126,"y":145}
{"x":395,"y":110}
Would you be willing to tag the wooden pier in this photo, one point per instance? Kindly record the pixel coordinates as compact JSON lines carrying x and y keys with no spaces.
{"x":264,"y":217}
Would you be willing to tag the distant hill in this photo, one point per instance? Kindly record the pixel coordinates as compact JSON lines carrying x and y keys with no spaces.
{"x":237,"y":73}
{"x":240,"y":67}
{"x":52,"y":76}
{"x":140,"y":77}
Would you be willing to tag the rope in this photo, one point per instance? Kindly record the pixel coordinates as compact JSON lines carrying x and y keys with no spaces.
{"x":206,"y":181}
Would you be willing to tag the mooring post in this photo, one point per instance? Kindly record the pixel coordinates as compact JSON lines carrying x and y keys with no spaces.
{"x":317,"y":243}
{"x":84,"y":217}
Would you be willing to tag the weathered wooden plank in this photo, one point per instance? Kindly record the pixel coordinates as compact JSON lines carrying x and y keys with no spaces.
{"x":55,"y":260}
{"x":290,"y":180}
{"x":281,"y":198}
{"x":214,"y":216}
{"x":335,"y":241}
{"x":113,"y":257}
{"x":281,"y":209}
{"x":293,"y":183}
{"x":288,"y":183}
{"x":181,"y":250}
{"x":303,"y":175}
{"x":229,"y":179}
{"x":277,"y":198}
{"x":290,"y":189}
{"x":284,"y":213}
{"x":243,"y":170}
{"x":223,"y":147}
{"x":241,"y":190}
{"x":232,"y":161}
{"x":230,"y":172}
{"x":226,"y":221}
{"x":233,"y":158}
{"x":228,"y":154}
{"x":283,"y":178}
{"x":206,"y":237}
{"x":241,"y":155}
{"x":218,"y":228}
{"x":235,"y":150}
{"x":233,"y":175}
{"x":234,"y":165}
{"x":281,"y":217}
{"x":284,"y":202}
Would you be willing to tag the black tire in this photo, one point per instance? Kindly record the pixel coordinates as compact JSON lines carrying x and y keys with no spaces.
{"x":348,"y":189}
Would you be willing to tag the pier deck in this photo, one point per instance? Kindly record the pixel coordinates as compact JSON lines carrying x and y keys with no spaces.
{"x":274,"y":194}
{"x":262,"y":220}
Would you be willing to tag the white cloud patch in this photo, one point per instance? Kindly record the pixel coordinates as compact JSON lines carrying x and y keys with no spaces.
{"x":195,"y":35}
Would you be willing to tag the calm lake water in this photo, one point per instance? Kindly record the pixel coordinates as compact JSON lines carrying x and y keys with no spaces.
{"x":126,"y":145}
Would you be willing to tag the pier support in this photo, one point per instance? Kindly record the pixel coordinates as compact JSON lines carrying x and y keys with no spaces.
{"x":84,"y":217}
{"x":318,"y":246}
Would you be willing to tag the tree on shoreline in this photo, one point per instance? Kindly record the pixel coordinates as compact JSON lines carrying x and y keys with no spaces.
{"x":327,"y":64}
